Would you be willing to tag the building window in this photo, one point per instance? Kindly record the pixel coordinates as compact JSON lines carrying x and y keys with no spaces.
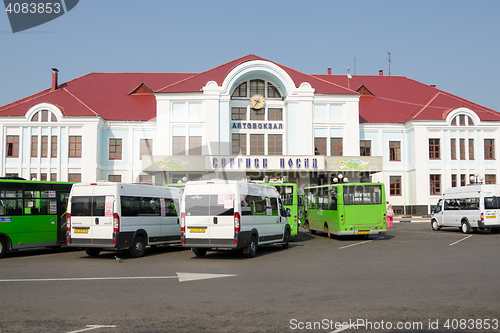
{"x":179,"y":145}
{"x":453,"y":180}
{"x":238,"y":113}
{"x":45,"y":146}
{"x":53,"y":146}
{"x":240,"y":91}
{"x":320,"y":146}
{"x":275,"y":144}
{"x":195,"y":145}
{"x":453,"y":145}
{"x":75,"y":177}
{"x":462,"y":149}
{"x":336,"y":147}
{"x":53,"y":177}
{"x":44,"y":116}
{"x":395,"y":185}
{"x":489,"y":149}
{"x":394,"y":150}
{"x":239,"y":144}
{"x":75,"y":146}
{"x":146,"y":179}
{"x":115,"y":149}
{"x":12,"y":145}
{"x":257,"y":87}
{"x":146,"y":147}
{"x":115,"y":178}
{"x":275,"y":114}
{"x":257,"y":114}
{"x":434,"y":149}
{"x":462,"y":180}
{"x":463,"y":120}
{"x":435,"y":182}
{"x":471,"y":149}
{"x":272,"y":92}
{"x":34,"y":146}
{"x":365,"y":148}
{"x":256,"y":144}
{"x":490,"y":179}
{"x":33,"y":176}
{"x":11,"y":175}
{"x":43,"y":177}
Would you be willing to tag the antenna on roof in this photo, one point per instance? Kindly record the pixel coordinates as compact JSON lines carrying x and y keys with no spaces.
{"x":389,"y":59}
{"x":349,"y":76}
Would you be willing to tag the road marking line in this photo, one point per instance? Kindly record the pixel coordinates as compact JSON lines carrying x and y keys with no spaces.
{"x":93,"y":327}
{"x":183,"y":277}
{"x":460,"y":240}
{"x":343,"y":328}
{"x":344,"y":247}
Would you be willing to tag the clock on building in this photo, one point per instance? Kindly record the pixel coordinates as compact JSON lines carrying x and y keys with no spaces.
{"x":257,"y":101}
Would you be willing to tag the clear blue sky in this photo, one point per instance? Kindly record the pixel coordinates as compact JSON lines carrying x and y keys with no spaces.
{"x":453,"y":44}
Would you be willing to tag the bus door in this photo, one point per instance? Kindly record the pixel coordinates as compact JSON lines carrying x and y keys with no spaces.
{"x":209,"y":213}
{"x":62,"y":207}
{"x":491,"y":211}
{"x":92,"y":215}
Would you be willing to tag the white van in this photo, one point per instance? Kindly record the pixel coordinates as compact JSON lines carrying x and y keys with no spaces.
{"x":230,"y":214}
{"x":106,"y":215}
{"x":468,"y":208}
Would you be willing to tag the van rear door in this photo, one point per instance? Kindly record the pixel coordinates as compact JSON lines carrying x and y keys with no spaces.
{"x":209,"y":214}
{"x":92,"y":215}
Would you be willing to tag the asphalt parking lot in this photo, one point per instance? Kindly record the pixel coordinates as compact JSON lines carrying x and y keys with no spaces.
{"x":412,"y":278}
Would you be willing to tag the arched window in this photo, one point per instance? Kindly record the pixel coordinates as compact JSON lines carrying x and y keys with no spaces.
{"x":260,"y":87}
{"x":462,"y":120}
{"x":44,"y":116}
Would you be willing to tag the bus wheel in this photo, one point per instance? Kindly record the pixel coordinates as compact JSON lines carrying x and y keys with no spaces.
{"x":286,"y":239}
{"x":435,"y":226}
{"x":326,"y":230}
{"x":91,"y":252}
{"x":139,"y":248}
{"x":310,"y":230}
{"x":252,"y":248}
{"x":465,"y":227}
{"x":3,"y":247}
{"x":199,"y":252}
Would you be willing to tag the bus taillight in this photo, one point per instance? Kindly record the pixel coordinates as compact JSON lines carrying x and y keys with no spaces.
{"x":116,"y":223}
{"x":68,"y":230}
{"x":236,"y":222}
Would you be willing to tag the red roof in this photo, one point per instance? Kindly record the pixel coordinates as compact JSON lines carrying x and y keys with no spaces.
{"x":129,"y":96}
{"x":398,"y":99}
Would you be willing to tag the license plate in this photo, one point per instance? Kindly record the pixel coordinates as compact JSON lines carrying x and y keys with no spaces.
{"x":80,"y":231}
{"x":201,"y":230}
{"x":363,"y":232}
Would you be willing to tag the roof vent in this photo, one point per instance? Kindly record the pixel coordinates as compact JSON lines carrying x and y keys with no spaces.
{"x":381,"y":72}
{"x":329,"y":71}
{"x":433,"y":85}
{"x":54,"y":79}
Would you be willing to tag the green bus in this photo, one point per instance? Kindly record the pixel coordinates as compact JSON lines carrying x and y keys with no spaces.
{"x":346,"y":209}
{"x":288,"y":194}
{"x":32,"y":214}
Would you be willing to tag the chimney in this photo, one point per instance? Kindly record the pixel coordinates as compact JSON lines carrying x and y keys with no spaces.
{"x":329,"y":71}
{"x":54,"y":79}
{"x":433,"y":85}
{"x":381,"y":73}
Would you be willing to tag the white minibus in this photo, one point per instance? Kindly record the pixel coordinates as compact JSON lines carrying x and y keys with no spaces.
{"x":107,"y":215}
{"x":218,"y":214}
{"x":468,"y":208}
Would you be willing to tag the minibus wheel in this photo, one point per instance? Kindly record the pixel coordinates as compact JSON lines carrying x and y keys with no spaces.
{"x":199,"y":252}
{"x":252,"y":248}
{"x":435,"y":226}
{"x":139,"y":247}
{"x":465,"y":227}
{"x":91,"y":252}
{"x":286,"y":240}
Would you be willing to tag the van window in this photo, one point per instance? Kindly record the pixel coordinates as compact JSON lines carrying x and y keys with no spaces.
{"x":87,"y":206}
{"x":140,"y":206}
{"x":491,"y":203}
{"x":171,"y":207}
{"x":203,"y":205}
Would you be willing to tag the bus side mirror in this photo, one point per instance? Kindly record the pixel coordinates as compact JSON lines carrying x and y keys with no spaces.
{"x":288,"y":213}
